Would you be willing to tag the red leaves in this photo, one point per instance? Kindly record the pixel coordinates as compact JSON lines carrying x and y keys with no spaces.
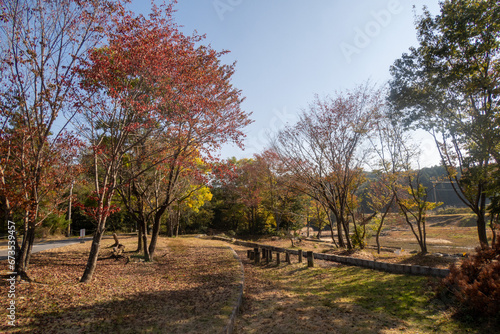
{"x":475,"y":282}
{"x":157,"y":72}
{"x":98,"y":205}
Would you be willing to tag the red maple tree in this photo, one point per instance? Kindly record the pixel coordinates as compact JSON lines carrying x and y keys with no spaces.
{"x":151,"y":81}
{"x":42,"y":42}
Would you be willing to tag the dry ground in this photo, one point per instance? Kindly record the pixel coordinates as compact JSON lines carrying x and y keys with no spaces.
{"x":189,"y":289}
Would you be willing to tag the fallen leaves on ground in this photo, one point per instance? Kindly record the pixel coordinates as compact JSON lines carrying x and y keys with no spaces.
{"x":190,"y":288}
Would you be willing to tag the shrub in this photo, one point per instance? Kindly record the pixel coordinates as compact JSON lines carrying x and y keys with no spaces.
{"x":476,"y":282}
{"x":358,"y":238}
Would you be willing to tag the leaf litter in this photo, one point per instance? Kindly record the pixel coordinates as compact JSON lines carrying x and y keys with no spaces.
{"x":190,"y":288}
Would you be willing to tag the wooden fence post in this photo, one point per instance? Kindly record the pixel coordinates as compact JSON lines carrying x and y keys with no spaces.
{"x":310,"y":259}
{"x":252,"y":255}
{"x":257,"y":256}
{"x":287,"y":258}
{"x":300,"y":255}
{"x":248,"y":253}
{"x":278,"y":258}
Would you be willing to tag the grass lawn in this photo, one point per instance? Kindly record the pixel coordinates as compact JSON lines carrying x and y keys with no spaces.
{"x":332,"y":298}
{"x":192,"y":286}
{"x":189,"y":289}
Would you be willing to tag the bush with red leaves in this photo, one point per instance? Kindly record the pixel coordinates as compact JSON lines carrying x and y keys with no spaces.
{"x":476,"y":282}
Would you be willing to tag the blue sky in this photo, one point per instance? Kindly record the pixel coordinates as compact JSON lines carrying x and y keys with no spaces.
{"x":289,"y":50}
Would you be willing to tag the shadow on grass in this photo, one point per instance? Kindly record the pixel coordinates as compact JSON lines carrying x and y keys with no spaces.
{"x":185,"y":292}
{"x":347,"y":299}
{"x":195,"y":310}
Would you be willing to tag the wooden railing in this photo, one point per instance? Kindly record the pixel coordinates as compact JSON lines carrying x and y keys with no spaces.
{"x":264,"y":253}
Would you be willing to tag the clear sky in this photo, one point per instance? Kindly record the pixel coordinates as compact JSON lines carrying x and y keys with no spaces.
{"x":289,"y":50}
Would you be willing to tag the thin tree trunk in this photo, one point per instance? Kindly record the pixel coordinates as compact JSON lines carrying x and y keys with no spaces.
{"x":481,"y":229}
{"x":31,"y":241}
{"x":178,"y":222}
{"x":379,"y":229}
{"x":339,"y":228}
{"x":332,"y":235}
{"x":145,"y":241}
{"x":170,"y":224}
{"x":424,"y":237}
{"x":155,"y":232}
{"x":347,"y":236}
{"x":277,"y":218}
{"x":94,"y":252}
{"x":139,"y":237}
{"x":68,"y":232}
{"x":22,"y":254}
{"x":154,"y":238}
{"x":308,"y":226}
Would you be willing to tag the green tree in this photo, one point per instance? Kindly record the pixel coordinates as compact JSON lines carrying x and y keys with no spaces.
{"x":449,"y":86}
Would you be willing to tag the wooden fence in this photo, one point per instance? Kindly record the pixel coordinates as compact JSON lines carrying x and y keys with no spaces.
{"x":261,"y":253}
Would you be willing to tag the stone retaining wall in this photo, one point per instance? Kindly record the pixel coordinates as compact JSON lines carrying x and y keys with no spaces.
{"x":230,"y":326}
{"x":376,"y":265}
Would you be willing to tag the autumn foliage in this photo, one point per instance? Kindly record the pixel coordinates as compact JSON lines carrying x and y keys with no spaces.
{"x":157,"y":103}
{"x":476,"y":282}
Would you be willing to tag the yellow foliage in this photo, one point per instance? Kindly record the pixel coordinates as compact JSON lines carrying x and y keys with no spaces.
{"x":198,"y":196}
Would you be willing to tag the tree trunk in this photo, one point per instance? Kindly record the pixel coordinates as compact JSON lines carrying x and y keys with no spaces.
{"x":170,"y":225}
{"x":94,"y":253}
{"x":308,"y":226}
{"x":339,"y":228}
{"x":178,"y":223}
{"x":68,"y":232}
{"x":277,"y":218}
{"x":340,"y":233}
{"x":139,"y":238}
{"x":424,"y":237}
{"x":31,"y":241}
{"x":22,"y":254}
{"x":347,"y":237}
{"x":332,"y":235}
{"x":253,"y":228}
{"x":144,"y":234}
{"x":377,"y":237}
{"x":377,"y":240}
{"x":481,"y":230}
{"x":154,"y":235}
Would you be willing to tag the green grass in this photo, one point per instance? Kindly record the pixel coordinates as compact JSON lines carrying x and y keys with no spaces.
{"x":380,"y":300}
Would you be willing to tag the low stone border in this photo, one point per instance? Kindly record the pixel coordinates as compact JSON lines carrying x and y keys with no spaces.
{"x":393,"y":268}
{"x":236,"y":308}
